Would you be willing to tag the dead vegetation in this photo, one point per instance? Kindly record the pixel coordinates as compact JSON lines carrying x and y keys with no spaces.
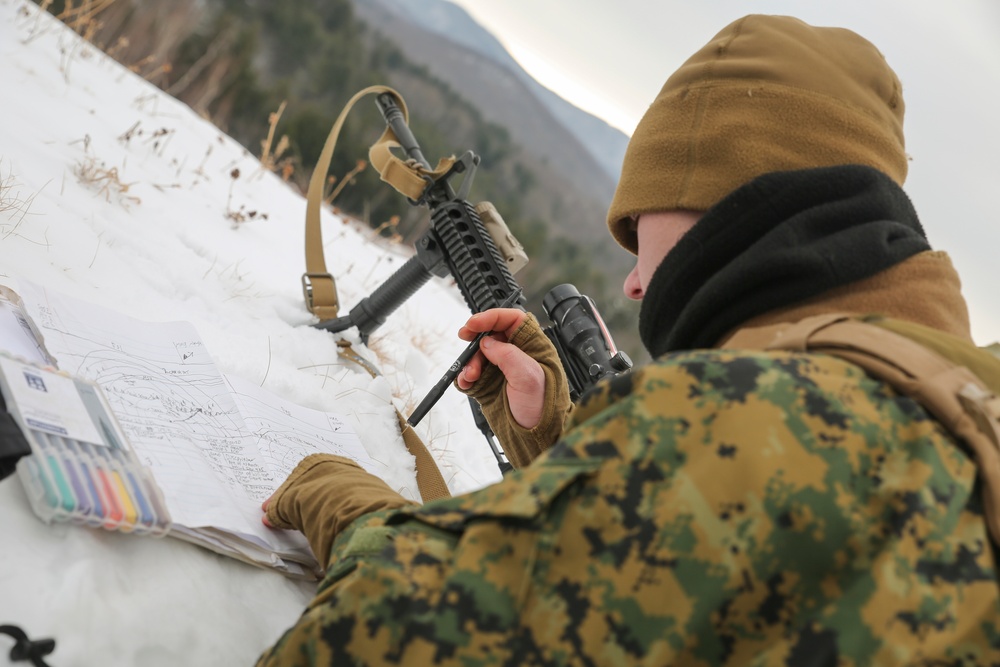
{"x":157,"y":140}
{"x":274,"y":160}
{"x":13,"y":207}
{"x":242,"y":214}
{"x":95,"y":174}
{"x":391,"y":230}
{"x":335,"y":187}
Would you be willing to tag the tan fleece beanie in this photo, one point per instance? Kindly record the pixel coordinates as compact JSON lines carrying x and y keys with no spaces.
{"x":768,"y":93}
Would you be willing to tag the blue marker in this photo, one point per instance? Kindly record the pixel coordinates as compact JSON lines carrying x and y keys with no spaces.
{"x":71,"y":465}
{"x":115,"y":513}
{"x":90,"y":479}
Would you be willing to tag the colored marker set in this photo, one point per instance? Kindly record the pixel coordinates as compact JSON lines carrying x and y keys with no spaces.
{"x":81,"y":468}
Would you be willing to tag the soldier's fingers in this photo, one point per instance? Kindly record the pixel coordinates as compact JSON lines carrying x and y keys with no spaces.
{"x":525,"y":380}
{"x":263,"y":506}
{"x":504,"y":320}
{"x":472,"y":371}
{"x":523,"y":373}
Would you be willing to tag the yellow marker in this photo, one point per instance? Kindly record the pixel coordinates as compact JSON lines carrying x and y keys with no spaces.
{"x":127,"y":505}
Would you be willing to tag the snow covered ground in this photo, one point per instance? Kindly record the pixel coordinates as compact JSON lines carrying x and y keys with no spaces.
{"x":112,"y":192}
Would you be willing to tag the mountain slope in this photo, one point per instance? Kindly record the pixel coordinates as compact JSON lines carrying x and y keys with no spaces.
{"x":605,"y":143}
{"x":442,"y":37}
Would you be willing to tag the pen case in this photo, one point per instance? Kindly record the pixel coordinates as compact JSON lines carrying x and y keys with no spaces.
{"x":81,"y":468}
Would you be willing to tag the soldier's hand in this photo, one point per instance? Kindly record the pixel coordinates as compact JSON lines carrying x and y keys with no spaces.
{"x":525,"y":384}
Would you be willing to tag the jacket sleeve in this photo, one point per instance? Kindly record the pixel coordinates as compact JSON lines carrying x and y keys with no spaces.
{"x":522,"y":445}
{"x":323,"y":495}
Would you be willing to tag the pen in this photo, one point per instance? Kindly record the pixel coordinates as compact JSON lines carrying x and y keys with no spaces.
{"x":437,"y":391}
{"x":98,"y":499}
{"x":63,"y":492}
{"x":75,"y":474}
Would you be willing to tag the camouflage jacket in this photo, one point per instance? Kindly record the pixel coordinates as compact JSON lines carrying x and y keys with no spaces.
{"x":716,"y":507}
{"x":713,"y":508}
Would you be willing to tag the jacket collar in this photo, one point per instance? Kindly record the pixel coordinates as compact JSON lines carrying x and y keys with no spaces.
{"x":924,"y":289}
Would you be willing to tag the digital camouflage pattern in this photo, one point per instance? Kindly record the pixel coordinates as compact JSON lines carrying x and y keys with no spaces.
{"x":713,"y":508}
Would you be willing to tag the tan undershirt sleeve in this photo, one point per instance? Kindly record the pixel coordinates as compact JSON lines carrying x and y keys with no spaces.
{"x":522,"y":445}
{"x":323,"y":495}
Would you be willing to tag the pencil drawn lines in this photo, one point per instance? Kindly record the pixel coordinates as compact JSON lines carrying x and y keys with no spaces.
{"x":209,"y":439}
{"x":166,"y":392}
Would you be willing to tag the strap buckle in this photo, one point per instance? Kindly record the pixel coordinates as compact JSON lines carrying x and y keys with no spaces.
{"x":307,"y":289}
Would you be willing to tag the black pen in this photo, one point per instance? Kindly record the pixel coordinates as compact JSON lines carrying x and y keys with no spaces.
{"x":437,"y":391}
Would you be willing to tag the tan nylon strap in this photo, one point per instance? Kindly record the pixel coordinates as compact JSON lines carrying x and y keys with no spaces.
{"x":408,"y":177}
{"x":429,"y":480}
{"x":318,"y":286}
{"x":952,"y":393}
{"x":320,"y":290}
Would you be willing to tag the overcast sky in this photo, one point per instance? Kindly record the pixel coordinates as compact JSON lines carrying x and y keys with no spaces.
{"x":612,"y":58}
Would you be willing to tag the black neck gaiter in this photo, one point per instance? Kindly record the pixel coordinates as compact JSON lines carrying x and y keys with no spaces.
{"x":782,"y":238}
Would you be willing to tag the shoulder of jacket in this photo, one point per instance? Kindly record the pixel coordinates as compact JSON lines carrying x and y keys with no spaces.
{"x":983,"y":363}
{"x":873,"y":337}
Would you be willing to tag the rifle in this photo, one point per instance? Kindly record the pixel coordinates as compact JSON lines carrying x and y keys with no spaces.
{"x":457,"y":242}
{"x":475,"y":247}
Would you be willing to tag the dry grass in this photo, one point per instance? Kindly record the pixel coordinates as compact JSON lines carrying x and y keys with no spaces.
{"x":157,"y":140}
{"x":392,"y":227}
{"x":240,"y":215}
{"x":82,"y":17}
{"x":149,"y":70}
{"x":400,"y":388}
{"x":100,"y":23}
{"x":348,"y":179}
{"x":94,"y":174}
{"x":272,"y":160}
{"x":13,"y":207}
{"x":430,"y":341}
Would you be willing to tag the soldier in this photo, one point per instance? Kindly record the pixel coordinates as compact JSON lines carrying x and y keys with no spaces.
{"x":719,"y":506}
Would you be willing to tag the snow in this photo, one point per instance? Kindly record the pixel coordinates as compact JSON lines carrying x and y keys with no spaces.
{"x":115,"y":193}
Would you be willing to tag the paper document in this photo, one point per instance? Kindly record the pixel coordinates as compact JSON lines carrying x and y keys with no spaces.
{"x":217,"y":446}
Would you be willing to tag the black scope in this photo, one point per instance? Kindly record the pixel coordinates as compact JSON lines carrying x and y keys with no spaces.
{"x":584,"y":343}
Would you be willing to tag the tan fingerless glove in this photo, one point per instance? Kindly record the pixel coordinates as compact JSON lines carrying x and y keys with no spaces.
{"x":323,"y":495}
{"x":522,"y":445}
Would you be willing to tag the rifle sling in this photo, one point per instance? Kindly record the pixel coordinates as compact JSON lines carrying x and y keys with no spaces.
{"x":953,"y":394}
{"x":408,"y":177}
{"x":319,"y":287}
